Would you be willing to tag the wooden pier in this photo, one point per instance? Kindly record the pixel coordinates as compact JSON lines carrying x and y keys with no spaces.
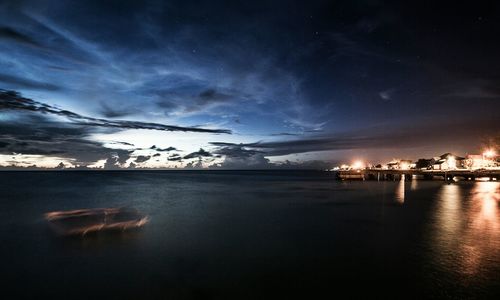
{"x":447,"y":175}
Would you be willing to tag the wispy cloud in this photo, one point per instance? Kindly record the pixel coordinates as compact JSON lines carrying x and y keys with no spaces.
{"x":14,"y":101}
{"x":434,"y":132}
{"x":8,"y":33}
{"x":27,"y":83}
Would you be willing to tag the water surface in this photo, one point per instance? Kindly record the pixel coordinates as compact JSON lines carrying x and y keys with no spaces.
{"x":228,"y":235}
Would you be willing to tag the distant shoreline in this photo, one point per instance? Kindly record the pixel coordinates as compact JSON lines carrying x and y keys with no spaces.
{"x":171,"y":170}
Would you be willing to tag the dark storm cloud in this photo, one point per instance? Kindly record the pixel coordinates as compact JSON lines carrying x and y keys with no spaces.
{"x":35,"y":134}
{"x":198,"y":154}
{"x":26,"y":83}
{"x":10,"y":100}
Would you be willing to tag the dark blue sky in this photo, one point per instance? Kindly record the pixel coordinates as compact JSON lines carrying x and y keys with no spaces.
{"x":250,"y":83}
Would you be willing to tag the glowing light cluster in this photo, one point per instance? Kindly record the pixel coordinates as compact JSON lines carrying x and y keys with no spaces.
{"x":358,"y":165}
{"x":489,"y":153}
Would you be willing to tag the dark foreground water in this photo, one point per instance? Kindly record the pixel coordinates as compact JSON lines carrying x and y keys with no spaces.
{"x":252,"y":235}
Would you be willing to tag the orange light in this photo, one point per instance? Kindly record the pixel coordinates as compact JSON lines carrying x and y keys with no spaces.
{"x":358,"y":165}
{"x":489,"y":153}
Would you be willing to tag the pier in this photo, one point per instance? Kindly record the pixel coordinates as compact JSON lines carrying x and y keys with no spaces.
{"x":411,"y":174}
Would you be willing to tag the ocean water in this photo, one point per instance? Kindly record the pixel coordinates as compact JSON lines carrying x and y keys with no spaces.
{"x":252,"y":235}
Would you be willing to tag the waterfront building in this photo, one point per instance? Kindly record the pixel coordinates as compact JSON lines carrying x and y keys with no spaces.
{"x":448,"y":161}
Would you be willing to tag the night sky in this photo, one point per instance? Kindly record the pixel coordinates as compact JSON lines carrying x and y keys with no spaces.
{"x":245,"y":84}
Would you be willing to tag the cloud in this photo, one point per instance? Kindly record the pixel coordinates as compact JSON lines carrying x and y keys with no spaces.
{"x":278,"y":148}
{"x":208,"y":94}
{"x":14,"y":101}
{"x":237,"y":156}
{"x":190,"y":97}
{"x":235,"y":150}
{"x":284,"y":134}
{"x":211,"y":95}
{"x":114,"y":112}
{"x":26,"y":83}
{"x":142,"y":158}
{"x":8,"y":33}
{"x":387,"y":94}
{"x":163,"y":149}
{"x":123,"y":143}
{"x":28,"y":133}
{"x":433,"y":132}
{"x":175,"y":158}
{"x":207,"y":99}
{"x":153,"y":65}
{"x":195,"y":164}
{"x":255,"y":161}
{"x":327,"y":68}
{"x":25,"y":132}
{"x":116,"y":159}
{"x":198,"y":154}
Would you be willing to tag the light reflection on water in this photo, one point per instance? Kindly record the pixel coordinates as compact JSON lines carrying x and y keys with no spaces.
{"x":467,"y":229}
{"x":400,"y":191}
{"x":414,"y":184}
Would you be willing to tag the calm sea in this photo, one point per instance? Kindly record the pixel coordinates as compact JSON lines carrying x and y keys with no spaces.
{"x":253,"y":235}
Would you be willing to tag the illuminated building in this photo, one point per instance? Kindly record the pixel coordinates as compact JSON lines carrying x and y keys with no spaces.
{"x":448,"y":161}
